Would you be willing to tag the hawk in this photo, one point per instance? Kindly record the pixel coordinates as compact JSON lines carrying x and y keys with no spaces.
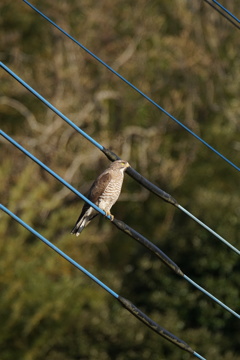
{"x":104,"y":192}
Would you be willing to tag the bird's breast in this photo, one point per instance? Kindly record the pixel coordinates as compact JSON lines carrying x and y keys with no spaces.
{"x":110,"y":195}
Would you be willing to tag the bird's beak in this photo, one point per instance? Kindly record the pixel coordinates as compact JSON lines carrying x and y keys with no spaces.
{"x":127,"y":165}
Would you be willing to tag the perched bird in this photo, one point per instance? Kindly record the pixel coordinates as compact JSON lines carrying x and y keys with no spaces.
{"x":104,"y":192}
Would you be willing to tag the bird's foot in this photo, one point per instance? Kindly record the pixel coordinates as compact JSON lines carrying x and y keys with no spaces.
{"x":109,"y":214}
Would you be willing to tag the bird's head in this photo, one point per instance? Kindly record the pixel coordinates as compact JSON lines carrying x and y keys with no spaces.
{"x":120,"y":164}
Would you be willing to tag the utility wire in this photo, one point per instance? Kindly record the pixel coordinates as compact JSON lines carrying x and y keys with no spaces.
{"x":132,"y":86}
{"x":167,"y":261}
{"x":112,"y":156}
{"x":124,"y":302}
{"x":124,"y":227}
{"x":51,"y":172}
{"x":226,"y":10}
{"x":222,"y":13}
{"x":209,"y":229}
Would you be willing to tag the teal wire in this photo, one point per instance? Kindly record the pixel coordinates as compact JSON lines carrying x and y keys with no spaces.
{"x":47,"y":103}
{"x":226,"y":10}
{"x":50,"y":171}
{"x":209,"y":229}
{"x":60,"y":252}
{"x":198,"y":356}
{"x":132,"y":86}
{"x":222,"y":13}
{"x":77,"y":265}
{"x":211,"y":296}
{"x":13,"y":142}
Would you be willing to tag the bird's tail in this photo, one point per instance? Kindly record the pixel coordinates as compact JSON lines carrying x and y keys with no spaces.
{"x":81,"y":224}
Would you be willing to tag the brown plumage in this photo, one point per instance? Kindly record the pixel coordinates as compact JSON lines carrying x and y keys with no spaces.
{"x":104,"y":192}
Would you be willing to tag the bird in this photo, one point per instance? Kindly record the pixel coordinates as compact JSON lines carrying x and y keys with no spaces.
{"x":104,"y":193}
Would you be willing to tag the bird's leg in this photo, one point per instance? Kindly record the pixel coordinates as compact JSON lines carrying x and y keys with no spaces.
{"x":109,"y":214}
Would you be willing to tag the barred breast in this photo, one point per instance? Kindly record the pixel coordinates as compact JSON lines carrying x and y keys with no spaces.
{"x":112,"y":191}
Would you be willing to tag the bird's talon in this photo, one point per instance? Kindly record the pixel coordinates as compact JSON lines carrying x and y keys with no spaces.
{"x":110,"y":215}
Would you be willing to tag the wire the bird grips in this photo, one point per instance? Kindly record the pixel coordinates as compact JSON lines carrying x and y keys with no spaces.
{"x":142,"y":180}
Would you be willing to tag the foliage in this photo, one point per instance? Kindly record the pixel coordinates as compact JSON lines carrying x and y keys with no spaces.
{"x":185,"y":56}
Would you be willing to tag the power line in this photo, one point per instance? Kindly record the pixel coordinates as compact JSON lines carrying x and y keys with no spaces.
{"x":124,"y":302}
{"x":224,"y":15}
{"x":130,"y":171}
{"x":208,"y":229}
{"x":226,"y":10}
{"x":51,"y":172}
{"x":154,"y":249}
{"x":122,"y":226}
{"x":132,"y":86}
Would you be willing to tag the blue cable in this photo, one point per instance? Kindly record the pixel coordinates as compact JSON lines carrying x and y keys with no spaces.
{"x":99,"y":146}
{"x":47,"y":103}
{"x":93,"y":205}
{"x":222,"y":13}
{"x":124,"y":302}
{"x":60,"y":252}
{"x":132,"y":86}
{"x":90,"y":203}
{"x":209,"y":229}
{"x":53,"y":173}
{"x":211,"y":296}
{"x":198,"y":356}
{"x":226,"y":10}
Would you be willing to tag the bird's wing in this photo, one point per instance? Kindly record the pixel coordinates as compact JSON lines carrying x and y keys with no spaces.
{"x":96,"y":191}
{"x":99,"y":186}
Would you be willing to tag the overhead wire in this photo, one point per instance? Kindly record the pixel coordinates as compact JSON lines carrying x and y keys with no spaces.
{"x":128,"y":305}
{"x":132,"y":86}
{"x":226,"y":10}
{"x":223,"y":14}
{"x":112,"y":156}
{"x":124,"y":302}
{"x":122,"y":226}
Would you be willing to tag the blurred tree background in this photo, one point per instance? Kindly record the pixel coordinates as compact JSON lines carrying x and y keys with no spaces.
{"x":185,"y":56}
